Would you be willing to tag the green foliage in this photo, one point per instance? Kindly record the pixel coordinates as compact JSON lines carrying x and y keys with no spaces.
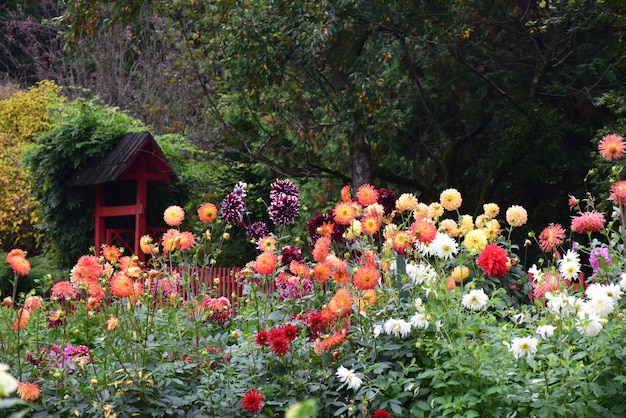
{"x":80,"y":130}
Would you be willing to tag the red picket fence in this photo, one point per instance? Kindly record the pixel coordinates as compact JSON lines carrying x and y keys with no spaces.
{"x":203,"y":281}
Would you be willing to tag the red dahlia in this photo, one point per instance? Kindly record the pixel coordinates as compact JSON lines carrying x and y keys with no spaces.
{"x":252,"y":401}
{"x":493,"y":261}
{"x":381,"y":413}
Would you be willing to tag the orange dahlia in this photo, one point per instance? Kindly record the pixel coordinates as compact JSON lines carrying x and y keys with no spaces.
{"x":111,"y":253}
{"x":87,"y":269}
{"x":170,"y":240}
{"x":425,"y":231}
{"x":370,"y":224}
{"x":16,"y":252}
{"x":174,"y":215}
{"x":366,"y":277}
{"x":20,"y":265}
{"x":344,"y":213}
{"x":207,"y":212}
{"x":21,"y":321}
{"x":265,"y":263}
{"x":328,"y":343}
{"x":147,"y":246}
{"x":322,"y":272}
{"x":62,"y":291}
{"x":341,"y":303}
{"x":267,"y":243}
{"x":299,"y":269}
{"x":112,"y":323}
{"x":618,"y":192}
{"x":121,"y":285}
{"x":32,"y":303}
{"x":367,"y":194}
{"x":369,"y":298}
{"x":326,"y":229}
{"x":321,"y":249}
{"x":28,"y":392}
{"x":345,"y":194}
{"x":551,"y":237}
{"x":186,"y":240}
{"x":611,"y":147}
{"x":401,"y":241}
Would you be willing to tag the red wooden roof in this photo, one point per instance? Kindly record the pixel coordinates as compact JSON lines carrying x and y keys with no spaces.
{"x":136,"y":155}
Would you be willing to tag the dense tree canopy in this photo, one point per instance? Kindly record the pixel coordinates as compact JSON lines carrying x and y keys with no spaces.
{"x":499,"y":99}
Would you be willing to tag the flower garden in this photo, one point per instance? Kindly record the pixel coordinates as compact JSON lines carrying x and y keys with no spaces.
{"x":395,"y":307}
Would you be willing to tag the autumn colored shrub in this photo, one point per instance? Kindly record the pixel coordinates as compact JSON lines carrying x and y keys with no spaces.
{"x":23,"y":115}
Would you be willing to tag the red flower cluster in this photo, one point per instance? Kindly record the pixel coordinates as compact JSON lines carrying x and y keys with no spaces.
{"x":493,"y":261}
{"x":252,"y":401}
{"x":381,"y":413}
{"x":277,"y":338}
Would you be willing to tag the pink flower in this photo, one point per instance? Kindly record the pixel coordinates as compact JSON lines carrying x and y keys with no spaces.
{"x":611,"y":147}
{"x":551,"y":237}
{"x":618,"y":192}
{"x":592,"y":221}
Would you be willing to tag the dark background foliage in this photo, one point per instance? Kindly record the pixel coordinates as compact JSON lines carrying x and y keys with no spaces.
{"x":504,"y":101}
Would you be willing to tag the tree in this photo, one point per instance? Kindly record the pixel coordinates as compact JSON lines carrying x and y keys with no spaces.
{"x":494,"y":98}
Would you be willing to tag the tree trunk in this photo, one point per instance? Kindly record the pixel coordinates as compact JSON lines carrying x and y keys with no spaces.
{"x":360,"y":161}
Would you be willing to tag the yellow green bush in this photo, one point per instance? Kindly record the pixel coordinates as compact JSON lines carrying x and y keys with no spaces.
{"x":23,"y":115}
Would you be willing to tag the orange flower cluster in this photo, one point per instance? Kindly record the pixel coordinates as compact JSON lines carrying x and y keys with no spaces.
{"x":18,"y":262}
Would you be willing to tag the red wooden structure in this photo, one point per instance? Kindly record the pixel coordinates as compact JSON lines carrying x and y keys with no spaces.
{"x":127,"y":169}
{"x":203,"y":281}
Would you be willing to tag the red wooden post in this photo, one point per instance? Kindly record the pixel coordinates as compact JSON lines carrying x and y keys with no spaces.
{"x":140,"y":217}
{"x":100,"y":222}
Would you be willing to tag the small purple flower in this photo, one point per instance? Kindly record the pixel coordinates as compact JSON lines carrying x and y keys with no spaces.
{"x":257,"y":230}
{"x":240,"y":189}
{"x":595,"y":257}
{"x":285,"y":204}
{"x":233,"y":206}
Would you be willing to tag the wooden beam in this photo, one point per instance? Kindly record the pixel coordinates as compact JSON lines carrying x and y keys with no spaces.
{"x":122,"y":210}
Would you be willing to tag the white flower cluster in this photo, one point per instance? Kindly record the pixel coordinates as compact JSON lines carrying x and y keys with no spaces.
{"x":591,"y":313}
{"x":421,"y":273}
{"x":569,"y":265}
{"x":443,"y":246}
{"x":475,"y":300}
{"x":8,"y":384}
{"x":401,"y":327}
{"x":523,"y":346}
{"x":349,"y":377}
